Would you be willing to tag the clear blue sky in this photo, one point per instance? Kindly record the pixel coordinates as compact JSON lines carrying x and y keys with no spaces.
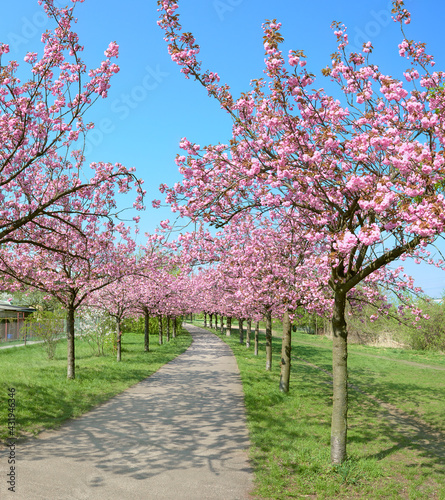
{"x":151,"y":106}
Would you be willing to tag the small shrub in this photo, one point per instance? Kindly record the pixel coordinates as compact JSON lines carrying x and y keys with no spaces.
{"x":46,"y":326}
{"x":98,"y":328}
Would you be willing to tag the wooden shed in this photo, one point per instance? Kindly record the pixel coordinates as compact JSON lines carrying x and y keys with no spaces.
{"x":11,"y":320}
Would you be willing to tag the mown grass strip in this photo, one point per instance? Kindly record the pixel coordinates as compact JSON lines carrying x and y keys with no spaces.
{"x":419,"y":391}
{"x":290,"y":433}
{"x":44,"y":396}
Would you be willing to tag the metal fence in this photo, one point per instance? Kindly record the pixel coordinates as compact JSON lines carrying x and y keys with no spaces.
{"x":11,"y":327}
{"x":14,"y":329}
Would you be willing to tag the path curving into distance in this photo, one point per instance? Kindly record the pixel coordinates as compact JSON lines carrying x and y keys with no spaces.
{"x":178,"y":435}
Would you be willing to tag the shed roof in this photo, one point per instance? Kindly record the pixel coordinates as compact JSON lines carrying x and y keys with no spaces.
{"x":9,"y":307}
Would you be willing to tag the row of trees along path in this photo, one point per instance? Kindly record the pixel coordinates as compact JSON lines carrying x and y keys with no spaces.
{"x":60,"y":227}
{"x":311,"y":199}
{"x":360,"y":183}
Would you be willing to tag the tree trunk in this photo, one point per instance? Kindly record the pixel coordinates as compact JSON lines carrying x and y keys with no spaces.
{"x":205,"y":320}
{"x":147,"y":332}
{"x":286,"y":353}
{"x":160,"y":327}
{"x":257,"y":335}
{"x":71,"y":357}
{"x":269,"y":341}
{"x":211,"y":320}
{"x":221,"y":318}
{"x":229,"y":326}
{"x":119,"y":339}
{"x":175,"y":331}
{"x":340,"y":381}
{"x":248,"y":332}
{"x":216,"y":321}
{"x":241,"y":330}
{"x":168,"y":328}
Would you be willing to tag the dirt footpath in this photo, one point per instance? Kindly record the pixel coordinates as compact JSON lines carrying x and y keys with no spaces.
{"x":178,"y":435}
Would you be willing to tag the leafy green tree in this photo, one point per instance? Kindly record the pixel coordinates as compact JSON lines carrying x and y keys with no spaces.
{"x":430,"y":333}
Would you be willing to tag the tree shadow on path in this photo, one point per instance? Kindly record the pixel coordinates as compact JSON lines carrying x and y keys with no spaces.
{"x":185,"y":423}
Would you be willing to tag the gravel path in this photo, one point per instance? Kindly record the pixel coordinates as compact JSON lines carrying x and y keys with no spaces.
{"x":178,"y":435}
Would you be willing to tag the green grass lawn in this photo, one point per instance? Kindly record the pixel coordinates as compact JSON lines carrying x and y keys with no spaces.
{"x":44,"y":396}
{"x":391,"y":454}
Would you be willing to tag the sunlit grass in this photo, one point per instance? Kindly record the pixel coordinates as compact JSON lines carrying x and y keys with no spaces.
{"x":290,"y":433}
